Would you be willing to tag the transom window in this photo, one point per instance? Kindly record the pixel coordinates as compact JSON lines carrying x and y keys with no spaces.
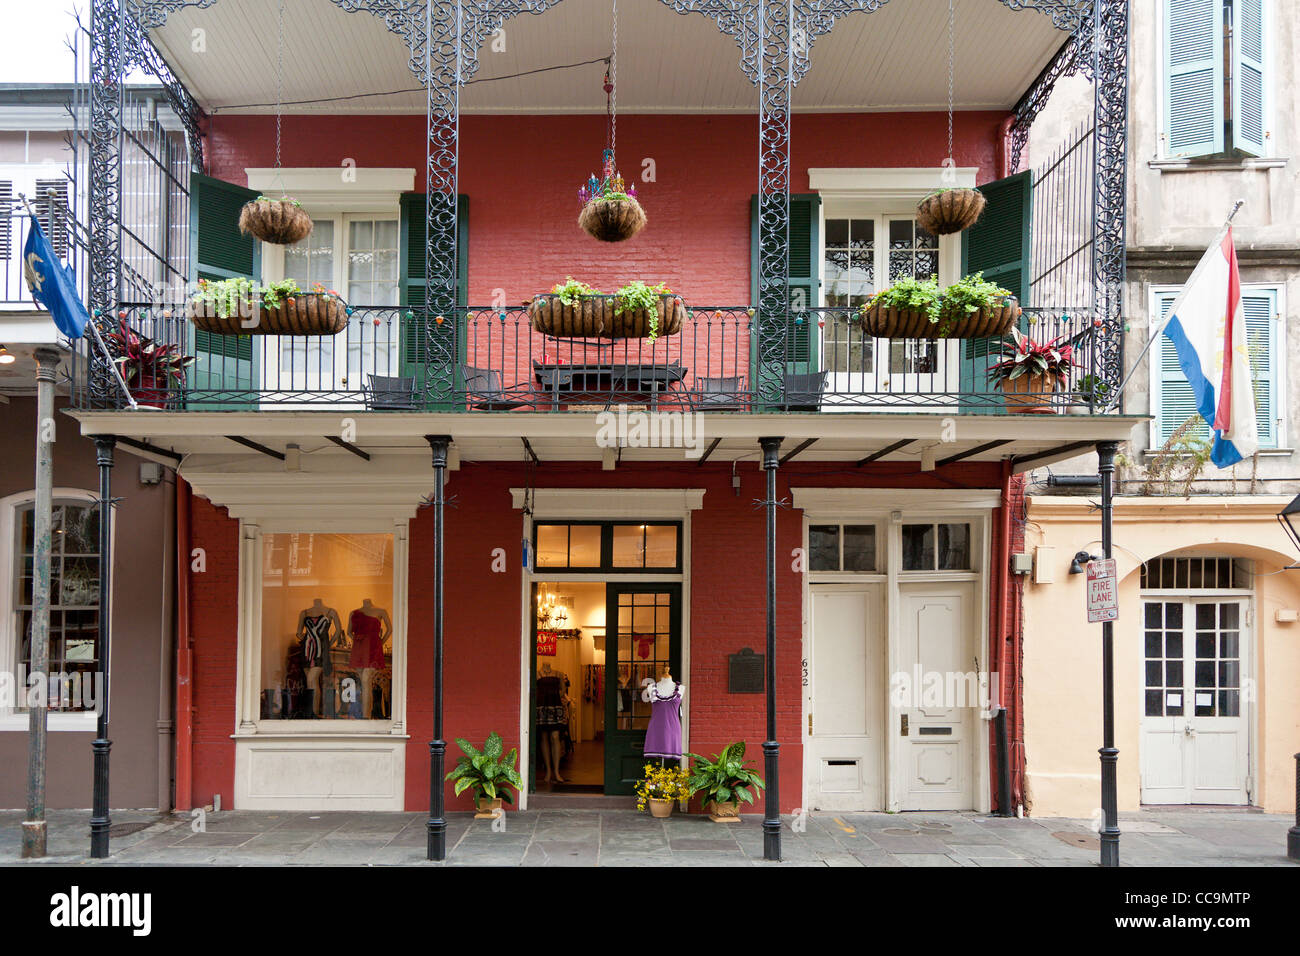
{"x":937,"y":547}
{"x":842,"y":547}
{"x":626,"y":546}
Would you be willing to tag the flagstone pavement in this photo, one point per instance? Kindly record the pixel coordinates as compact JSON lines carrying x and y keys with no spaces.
{"x":578,"y":837}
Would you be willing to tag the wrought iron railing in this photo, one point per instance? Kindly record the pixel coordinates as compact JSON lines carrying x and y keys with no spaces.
{"x":388,"y":359}
{"x":59,"y":226}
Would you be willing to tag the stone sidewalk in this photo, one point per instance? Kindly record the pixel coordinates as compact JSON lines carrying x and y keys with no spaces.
{"x":1178,"y":837}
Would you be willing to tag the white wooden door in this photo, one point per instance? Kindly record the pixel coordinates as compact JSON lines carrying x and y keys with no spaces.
{"x":845,"y":697}
{"x":1195,"y":737}
{"x":937,"y":725}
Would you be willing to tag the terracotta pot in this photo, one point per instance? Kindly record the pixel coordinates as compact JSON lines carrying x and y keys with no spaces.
{"x":594,"y":316}
{"x":275,"y":220}
{"x":1024,"y":394}
{"x":305,"y":313}
{"x":881,"y":322}
{"x":950,"y":211}
{"x":612,"y":220}
{"x":661,"y":808}
{"x":487,"y":809}
{"x":728,"y":812}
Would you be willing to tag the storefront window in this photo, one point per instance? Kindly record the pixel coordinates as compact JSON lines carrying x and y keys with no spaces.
{"x":327,"y":630}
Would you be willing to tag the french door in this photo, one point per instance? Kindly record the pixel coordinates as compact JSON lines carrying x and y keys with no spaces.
{"x":643,"y":640}
{"x":1195,"y":732}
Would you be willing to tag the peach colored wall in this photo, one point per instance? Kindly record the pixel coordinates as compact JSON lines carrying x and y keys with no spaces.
{"x":1062,"y":652}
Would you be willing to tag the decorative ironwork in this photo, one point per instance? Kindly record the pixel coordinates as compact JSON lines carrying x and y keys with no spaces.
{"x":1074,"y":56}
{"x":1110,"y":171}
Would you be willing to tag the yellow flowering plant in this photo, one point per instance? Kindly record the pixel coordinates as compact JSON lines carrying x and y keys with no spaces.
{"x":662,"y":783}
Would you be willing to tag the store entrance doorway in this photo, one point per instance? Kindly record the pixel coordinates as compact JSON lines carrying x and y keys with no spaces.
{"x":594,"y":643}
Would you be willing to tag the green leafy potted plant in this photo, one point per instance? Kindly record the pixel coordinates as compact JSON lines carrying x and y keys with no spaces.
{"x":1093,"y":393}
{"x":243,"y":307}
{"x":574,"y":309}
{"x":725,"y":782}
{"x":281,"y":221}
{"x":147,"y":367}
{"x":917,"y":309}
{"x":488,"y":773}
{"x":950,"y":210}
{"x":1030,"y":370}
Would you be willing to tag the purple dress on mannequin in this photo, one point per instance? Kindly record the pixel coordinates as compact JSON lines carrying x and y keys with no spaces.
{"x":663,"y":738}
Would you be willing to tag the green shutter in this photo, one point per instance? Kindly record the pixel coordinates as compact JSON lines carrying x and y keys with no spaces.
{"x":224,"y":363}
{"x":804,"y":220}
{"x":999,"y":246}
{"x":412,"y":278}
{"x":1248,"y":76}
{"x":1193,"y":77}
{"x":1174,"y":401}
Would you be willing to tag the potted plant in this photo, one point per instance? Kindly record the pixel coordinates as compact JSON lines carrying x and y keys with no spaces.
{"x":1030,"y":370}
{"x":725,"y":781}
{"x":281,"y":221}
{"x":610,"y":209}
{"x":1093,"y":393}
{"x":946,"y":211}
{"x":918,"y":309}
{"x":242,"y":307}
{"x":147,"y":367}
{"x":488,"y":773}
{"x":575,"y":309}
{"x":660,"y":788}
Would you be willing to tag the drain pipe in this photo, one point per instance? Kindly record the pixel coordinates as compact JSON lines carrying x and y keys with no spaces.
{"x":1002,"y":569}
{"x":184,"y":652}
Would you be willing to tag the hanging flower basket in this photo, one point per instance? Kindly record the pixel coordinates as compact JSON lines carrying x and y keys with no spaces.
{"x":612,"y":220}
{"x":281,"y":221}
{"x":950,"y":210}
{"x":888,"y":323}
{"x":595,"y":316}
{"x":282,"y":309}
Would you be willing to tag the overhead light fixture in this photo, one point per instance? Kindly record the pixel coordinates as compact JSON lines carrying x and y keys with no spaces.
{"x":7,"y":357}
{"x":1080,"y":562}
{"x":1287,"y":518}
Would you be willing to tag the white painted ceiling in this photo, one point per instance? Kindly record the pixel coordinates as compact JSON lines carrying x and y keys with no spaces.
{"x":892,"y":59}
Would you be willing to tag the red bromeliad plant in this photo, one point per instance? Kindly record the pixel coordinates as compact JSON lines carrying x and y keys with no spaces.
{"x":1023,"y":356}
{"x":142,"y":361}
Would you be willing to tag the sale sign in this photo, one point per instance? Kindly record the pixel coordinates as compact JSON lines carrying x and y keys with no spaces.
{"x":545,"y":643}
{"x":1103,"y":591}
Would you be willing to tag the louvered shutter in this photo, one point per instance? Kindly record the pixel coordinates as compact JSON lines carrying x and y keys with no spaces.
{"x":1193,"y":66}
{"x":415,"y":345}
{"x":1248,"y":76}
{"x":802,"y":265}
{"x":51,"y":206}
{"x":225,"y":366}
{"x":7,"y":221}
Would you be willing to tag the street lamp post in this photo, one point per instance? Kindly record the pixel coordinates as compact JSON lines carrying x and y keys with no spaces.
{"x":771,"y":747}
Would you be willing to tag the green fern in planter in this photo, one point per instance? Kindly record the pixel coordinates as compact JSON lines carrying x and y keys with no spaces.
{"x":726,"y":777}
{"x":486,"y":771}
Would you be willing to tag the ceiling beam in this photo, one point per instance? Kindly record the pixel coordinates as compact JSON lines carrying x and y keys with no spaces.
{"x":349,"y":446}
{"x":1021,"y":460}
{"x":794,"y":451}
{"x":875,"y":455}
{"x":151,"y":449}
{"x":972,"y":452}
{"x":249,"y":443}
{"x":709,"y":451}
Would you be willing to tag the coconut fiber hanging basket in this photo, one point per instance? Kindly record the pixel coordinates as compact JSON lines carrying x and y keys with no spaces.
{"x":885,"y":323}
{"x":280,"y":221}
{"x":595,"y":317}
{"x":305,"y":313}
{"x":949,"y":211}
{"x":612,"y":220}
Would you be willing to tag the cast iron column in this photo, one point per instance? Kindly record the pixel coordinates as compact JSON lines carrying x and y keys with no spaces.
{"x":33,"y":838}
{"x":100,"y":746}
{"x":771,"y":748}
{"x":1109,"y":753}
{"x":437,"y":825}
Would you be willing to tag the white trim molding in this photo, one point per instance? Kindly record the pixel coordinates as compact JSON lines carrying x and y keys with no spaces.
{"x":611,"y":503}
{"x":884,"y":184}
{"x":325,"y":189}
{"x":848,"y":502}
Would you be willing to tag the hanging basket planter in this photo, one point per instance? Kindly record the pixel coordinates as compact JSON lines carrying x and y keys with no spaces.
{"x":303,"y":313}
{"x":612,"y":220}
{"x":887,"y":323}
{"x":950,"y":210}
{"x":596,"y":317}
{"x":280,"y":221}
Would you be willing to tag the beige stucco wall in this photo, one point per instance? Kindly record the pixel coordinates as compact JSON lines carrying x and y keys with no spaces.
{"x":1062,"y":652}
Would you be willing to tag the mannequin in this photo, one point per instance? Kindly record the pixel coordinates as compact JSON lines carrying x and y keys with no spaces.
{"x":369,"y":627}
{"x":663,"y":736}
{"x":318,"y":626}
{"x":551,"y":718}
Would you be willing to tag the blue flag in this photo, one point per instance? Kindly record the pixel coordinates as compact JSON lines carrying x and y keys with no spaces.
{"x":53,"y":284}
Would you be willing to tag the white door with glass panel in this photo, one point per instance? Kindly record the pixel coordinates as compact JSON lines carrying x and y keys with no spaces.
{"x":863,"y":254}
{"x":845,"y":697}
{"x":1195,"y":744}
{"x":356,"y":256}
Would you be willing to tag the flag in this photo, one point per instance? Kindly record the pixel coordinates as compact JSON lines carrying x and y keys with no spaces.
{"x":53,"y":284}
{"x":1208,"y":329}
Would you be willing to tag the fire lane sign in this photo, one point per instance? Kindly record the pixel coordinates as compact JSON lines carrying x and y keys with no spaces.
{"x":1103,"y":591}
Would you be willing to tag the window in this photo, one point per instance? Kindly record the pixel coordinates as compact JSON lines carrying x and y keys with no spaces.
{"x":863,"y":256}
{"x":842,"y":547}
{"x":616,"y":546}
{"x":327,"y":630}
{"x":1215,"y":77}
{"x":936,"y":547}
{"x":74,"y":601}
{"x":1192,"y":658}
{"x":1171,"y":396}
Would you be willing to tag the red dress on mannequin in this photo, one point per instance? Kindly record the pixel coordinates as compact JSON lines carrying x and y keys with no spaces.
{"x":367,"y":648}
